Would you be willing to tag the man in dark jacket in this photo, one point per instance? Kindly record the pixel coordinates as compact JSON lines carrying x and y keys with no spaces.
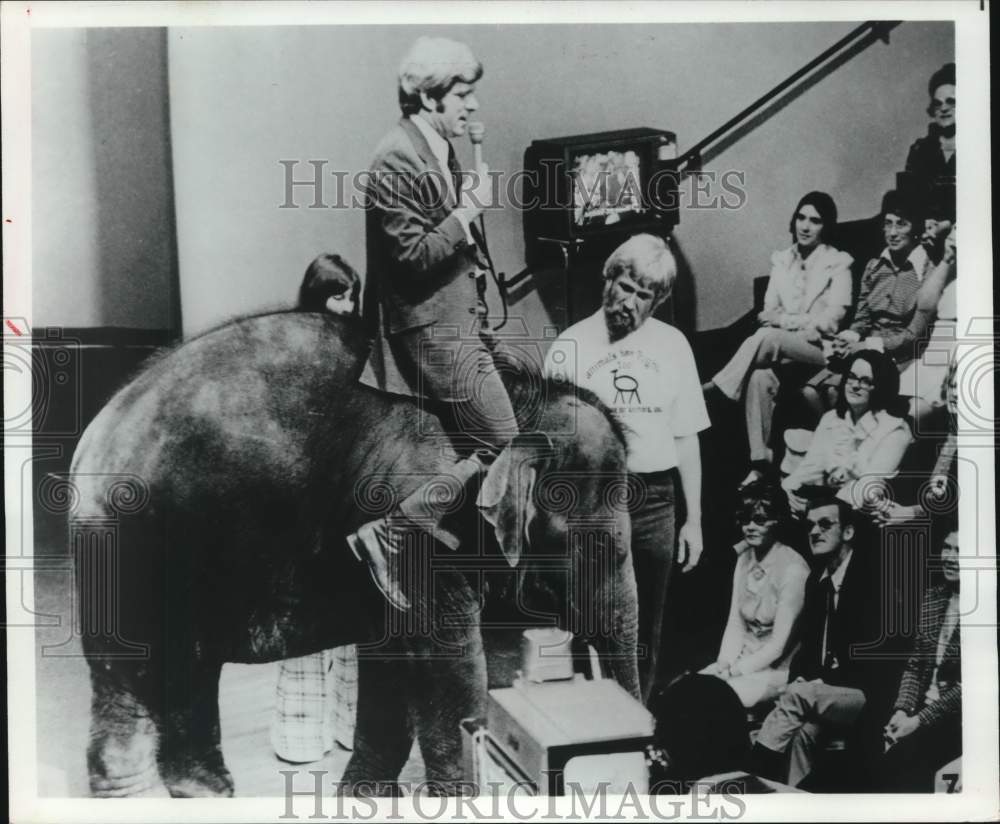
{"x":831,"y":683}
{"x":424,"y":293}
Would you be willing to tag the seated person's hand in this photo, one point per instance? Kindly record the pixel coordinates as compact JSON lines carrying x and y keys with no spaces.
{"x":836,"y":478}
{"x":904,"y":726}
{"x":792,"y":321}
{"x":938,"y":488}
{"x":811,"y":334}
{"x":845,"y":342}
{"x":951,"y":246}
{"x":718,"y":668}
{"x":796,"y":503}
{"x":893,"y":513}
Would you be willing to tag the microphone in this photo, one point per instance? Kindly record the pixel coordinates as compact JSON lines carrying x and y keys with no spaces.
{"x":476,"y":131}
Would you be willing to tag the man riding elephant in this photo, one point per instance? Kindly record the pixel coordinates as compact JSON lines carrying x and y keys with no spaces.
{"x":424,"y":295}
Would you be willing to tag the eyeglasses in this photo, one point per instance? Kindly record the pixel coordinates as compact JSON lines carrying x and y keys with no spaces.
{"x":825,"y":524}
{"x":757,"y":518}
{"x":861,"y":380}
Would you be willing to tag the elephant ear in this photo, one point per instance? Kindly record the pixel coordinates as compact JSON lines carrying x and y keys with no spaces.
{"x":506,"y":499}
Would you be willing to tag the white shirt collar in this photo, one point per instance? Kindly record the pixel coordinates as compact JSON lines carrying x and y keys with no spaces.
{"x":917,"y":259}
{"x":839,"y":572}
{"x":437,"y":143}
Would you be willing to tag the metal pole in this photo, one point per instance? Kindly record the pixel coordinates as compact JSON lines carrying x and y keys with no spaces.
{"x":880,"y":28}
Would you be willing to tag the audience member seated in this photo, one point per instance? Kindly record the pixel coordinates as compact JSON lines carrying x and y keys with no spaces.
{"x":768,"y":592}
{"x":888,"y":299}
{"x":316,"y":694}
{"x":808,"y":295}
{"x":700,"y":730}
{"x":942,"y":485}
{"x":831,"y":687}
{"x":860,"y":442}
{"x":931,"y":160}
{"x":937,"y":308}
{"x":925,"y":730}
{"x":330,"y":285}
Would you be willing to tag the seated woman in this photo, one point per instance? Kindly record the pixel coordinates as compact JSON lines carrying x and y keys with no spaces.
{"x":937,"y":309}
{"x":885,"y":319}
{"x":860,"y":442}
{"x":931,"y":159}
{"x":768,"y":594}
{"x":940,"y":492}
{"x":808,"y":294}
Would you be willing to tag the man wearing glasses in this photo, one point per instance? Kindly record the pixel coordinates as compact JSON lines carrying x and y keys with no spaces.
{"x":830,"y":685}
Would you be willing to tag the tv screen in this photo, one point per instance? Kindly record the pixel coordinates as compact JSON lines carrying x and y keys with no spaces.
{"x":607,"y":188}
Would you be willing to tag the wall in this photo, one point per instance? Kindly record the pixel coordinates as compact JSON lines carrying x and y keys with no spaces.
{"x":242,"y":99}
{"x":104,"y":247}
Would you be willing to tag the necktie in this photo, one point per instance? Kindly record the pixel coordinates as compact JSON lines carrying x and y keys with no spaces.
{"x":456,"y":172}
{"x":829,"y":633}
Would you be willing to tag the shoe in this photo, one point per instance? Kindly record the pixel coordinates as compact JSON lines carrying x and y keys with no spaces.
{"x":380,"y":545}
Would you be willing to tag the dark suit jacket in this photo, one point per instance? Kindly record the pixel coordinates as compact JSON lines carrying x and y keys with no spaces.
{"x":920,"y":668}
{"x":420,"y":265}
{"x":857,"y":622}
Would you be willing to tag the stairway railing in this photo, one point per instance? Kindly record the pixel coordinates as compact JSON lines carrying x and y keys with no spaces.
{"x":844,"y":49}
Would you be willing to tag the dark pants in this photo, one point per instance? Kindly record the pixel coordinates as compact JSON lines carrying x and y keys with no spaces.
{"x":909,"y":766}
{"x":653,"y":537}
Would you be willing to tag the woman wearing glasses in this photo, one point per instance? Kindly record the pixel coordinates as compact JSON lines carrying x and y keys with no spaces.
{"x":932,"y":158}
{"x":768,"y":593}
{"x":861,"y":441}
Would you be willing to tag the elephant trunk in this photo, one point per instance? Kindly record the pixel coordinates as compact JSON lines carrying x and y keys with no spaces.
{"x":617,"y":605}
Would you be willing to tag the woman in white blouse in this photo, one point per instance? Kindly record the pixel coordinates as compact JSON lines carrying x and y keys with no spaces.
{"x":808,"y":295}
{"x":858,"y":444}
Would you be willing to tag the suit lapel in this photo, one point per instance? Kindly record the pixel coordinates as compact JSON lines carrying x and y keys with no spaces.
{"x":423,"y":150}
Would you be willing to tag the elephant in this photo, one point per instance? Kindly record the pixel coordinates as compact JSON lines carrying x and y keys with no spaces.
{"x":230,"y":470}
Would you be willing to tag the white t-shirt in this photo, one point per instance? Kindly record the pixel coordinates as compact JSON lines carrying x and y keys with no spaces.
{"x":648,"y":380}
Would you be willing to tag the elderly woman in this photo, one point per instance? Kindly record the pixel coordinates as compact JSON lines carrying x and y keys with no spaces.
{"x":768,"y":595}
{"x":808,"y":294}
{"x":860,"y":442}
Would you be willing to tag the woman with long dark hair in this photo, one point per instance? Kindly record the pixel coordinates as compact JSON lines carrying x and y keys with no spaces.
{"x":808,"y":295}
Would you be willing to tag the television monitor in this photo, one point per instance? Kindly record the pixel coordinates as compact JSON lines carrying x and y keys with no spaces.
{"x":600,"y":185}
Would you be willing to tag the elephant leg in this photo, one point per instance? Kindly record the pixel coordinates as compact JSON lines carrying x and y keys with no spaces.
{"x":449,"y":682}
{"x":190,"y":749}
{"x":121,"y":756}
{"x":383,"y":736}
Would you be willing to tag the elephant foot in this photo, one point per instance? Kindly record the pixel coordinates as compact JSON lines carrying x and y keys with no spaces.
{"x":146,"y":784}
{"x":201,"y":782}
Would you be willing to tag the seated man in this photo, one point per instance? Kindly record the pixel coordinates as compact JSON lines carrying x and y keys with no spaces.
{"x":830,"y":685}
{"x":925,"y":729}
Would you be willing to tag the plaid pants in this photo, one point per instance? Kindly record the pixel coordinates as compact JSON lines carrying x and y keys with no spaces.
{"x":316,"y":700}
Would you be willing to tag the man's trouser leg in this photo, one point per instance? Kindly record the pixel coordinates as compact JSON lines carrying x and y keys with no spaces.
{"x":808,"y":703}
{"x":653,"y":537}
{"x":481,"y":410}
